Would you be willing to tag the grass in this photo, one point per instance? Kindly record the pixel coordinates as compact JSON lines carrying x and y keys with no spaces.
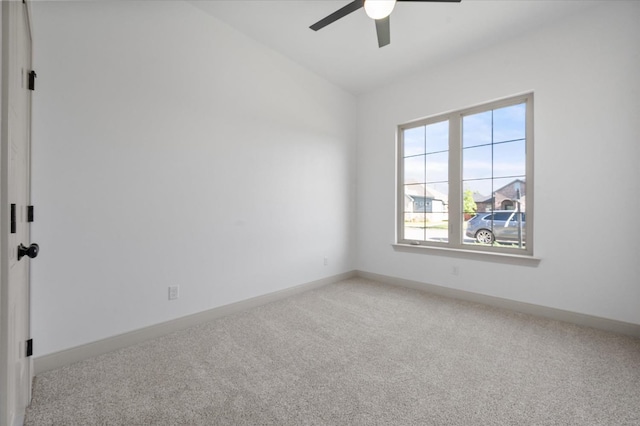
{"x":427,"y":225}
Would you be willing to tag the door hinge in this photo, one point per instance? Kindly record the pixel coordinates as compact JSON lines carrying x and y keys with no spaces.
{"x":32,"y":80}
{"x":13,"y":219}
{"x":29,"y":213}
{"x":29,"y":349}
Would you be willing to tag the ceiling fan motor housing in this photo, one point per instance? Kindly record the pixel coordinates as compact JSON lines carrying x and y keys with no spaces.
{"x":379,"y":10}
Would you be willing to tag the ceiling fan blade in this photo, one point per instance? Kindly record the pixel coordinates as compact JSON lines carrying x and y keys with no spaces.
{"x":340,"y":13}
{"x":383,"y":28}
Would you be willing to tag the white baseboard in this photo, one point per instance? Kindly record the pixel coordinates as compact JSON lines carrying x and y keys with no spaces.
{"x":79,"y":353}
{"x":600,"y":323}
{"x":110,"y":344}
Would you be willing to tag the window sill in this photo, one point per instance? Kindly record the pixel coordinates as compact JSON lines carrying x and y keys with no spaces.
{"x":516,"y":259}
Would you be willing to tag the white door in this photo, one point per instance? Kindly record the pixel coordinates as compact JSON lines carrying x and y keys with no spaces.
{"x":15,"y":125}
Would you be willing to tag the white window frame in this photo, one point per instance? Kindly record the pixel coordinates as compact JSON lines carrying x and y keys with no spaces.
{"x":455,"y":230}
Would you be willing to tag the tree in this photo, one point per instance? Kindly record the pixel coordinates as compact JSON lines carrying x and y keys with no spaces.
{"x":469,"y":206}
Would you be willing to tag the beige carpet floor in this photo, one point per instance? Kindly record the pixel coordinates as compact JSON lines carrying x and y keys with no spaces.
{"x":355,"y":353}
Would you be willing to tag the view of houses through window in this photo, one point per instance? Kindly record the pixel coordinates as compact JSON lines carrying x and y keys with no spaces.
{"x":479,"y":156}
{"x":426,"y":181}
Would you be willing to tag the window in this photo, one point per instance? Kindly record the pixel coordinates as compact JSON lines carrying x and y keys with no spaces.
{"x":465,"y":178}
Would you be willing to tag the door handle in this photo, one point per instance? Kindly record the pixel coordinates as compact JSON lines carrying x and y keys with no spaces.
{"x":31,"y":251}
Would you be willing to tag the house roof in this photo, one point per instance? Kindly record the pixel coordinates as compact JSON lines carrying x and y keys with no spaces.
{"x":421,"y":191}
{"x":480,"y":198}
{"x":511,"y":183}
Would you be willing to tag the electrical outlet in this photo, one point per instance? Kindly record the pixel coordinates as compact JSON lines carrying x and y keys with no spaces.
{"x":173,"y":292}
{"x":455,"y":270}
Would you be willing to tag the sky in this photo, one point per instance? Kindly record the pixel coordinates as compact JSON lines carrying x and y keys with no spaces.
{"x":493,"y":151}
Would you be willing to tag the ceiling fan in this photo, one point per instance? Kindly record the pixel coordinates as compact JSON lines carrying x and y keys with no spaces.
{"x":379,"y":10}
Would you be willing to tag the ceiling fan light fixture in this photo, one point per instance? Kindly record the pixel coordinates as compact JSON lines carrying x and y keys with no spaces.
{"x":379,"y":9}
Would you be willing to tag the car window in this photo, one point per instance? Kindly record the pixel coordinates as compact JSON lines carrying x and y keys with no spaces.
{"x":515,"y":217}
{"x":502,"y":216}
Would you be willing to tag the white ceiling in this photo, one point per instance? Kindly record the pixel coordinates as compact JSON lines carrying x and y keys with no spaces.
{"x":422,"y":34}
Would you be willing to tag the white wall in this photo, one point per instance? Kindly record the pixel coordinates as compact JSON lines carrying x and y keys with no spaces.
{"x":584,"y":72}
{"x":171,"y":150}
{"x":168,"y":149}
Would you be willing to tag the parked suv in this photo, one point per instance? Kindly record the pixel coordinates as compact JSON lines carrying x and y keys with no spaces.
{"x":499,"y":225}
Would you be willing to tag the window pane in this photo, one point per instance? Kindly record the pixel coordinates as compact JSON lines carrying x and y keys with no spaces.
{"x":414,"y":169}
{"x":414,"y":230}
{"x":476,"y":129}
{"x":414,"y":214}
{"x":426,"y":212}
{"x":440,"y":190}
{"x":493,"y":176}
{"x":437,"y":137}
{"x":481,"y":190}
{"x":496,"y":229}
{"x":509,"y":159}
{"x":437,"y":227}
{"x":436,"y":215}
{"x":413,"y":141}
{"x":437,"y":195}
{"x":414,"y":196}
{"x":509,"y":123}
{"x":437,"y":168}
{"x":476,"y":162}
{"x":506,"y":194}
